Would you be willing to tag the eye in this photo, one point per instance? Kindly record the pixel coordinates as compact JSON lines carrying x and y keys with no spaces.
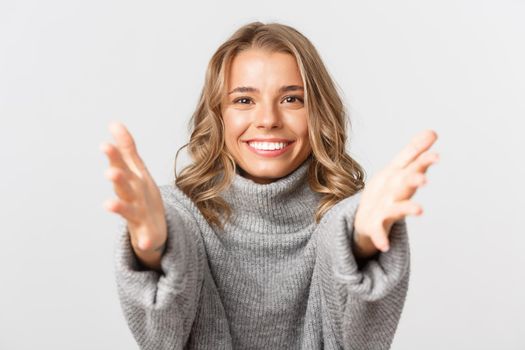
{"x":293,"y":99}
{"x":242,"y":99}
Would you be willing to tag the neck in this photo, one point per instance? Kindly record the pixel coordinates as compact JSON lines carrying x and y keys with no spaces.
{"x":284,"y":206}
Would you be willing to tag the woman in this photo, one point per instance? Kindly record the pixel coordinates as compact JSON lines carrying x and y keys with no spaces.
{"x":269,"y":239}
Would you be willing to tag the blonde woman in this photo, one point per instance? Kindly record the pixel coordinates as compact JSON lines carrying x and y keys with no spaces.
{"x":269,"y":239}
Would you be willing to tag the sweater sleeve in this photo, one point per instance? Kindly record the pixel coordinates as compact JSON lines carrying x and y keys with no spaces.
{"x":365,"y":297}
{"x":160,"y":307}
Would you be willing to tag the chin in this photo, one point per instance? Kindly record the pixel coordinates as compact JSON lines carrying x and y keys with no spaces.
{"x":267,"y":175}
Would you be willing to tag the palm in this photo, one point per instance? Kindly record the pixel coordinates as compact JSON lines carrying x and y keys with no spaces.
{"x":139,"y":200}
{"x":386,"y":198}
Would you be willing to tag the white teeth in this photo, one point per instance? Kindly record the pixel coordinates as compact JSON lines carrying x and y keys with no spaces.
{"x":268,"y":145}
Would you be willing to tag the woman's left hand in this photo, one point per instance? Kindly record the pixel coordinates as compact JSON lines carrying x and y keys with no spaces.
{"x":386,"y":198}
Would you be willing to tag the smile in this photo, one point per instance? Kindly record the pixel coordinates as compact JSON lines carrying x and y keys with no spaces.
{"x":269,"y":149}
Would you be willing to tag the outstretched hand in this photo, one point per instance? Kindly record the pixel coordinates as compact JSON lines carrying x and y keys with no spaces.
{"x":386,"y":198}
{"x":138,"y":200}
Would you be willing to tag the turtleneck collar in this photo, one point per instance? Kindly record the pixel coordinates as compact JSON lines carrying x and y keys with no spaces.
{"x":286,"y":205}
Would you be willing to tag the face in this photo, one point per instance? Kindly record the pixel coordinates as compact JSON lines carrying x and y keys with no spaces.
{"x":265,"y":100}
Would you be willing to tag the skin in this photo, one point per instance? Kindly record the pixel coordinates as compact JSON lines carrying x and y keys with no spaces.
{"x":387,"y":197}
{"x":267,"y":112}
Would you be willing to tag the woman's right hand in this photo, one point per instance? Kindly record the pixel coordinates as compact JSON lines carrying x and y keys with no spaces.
{"x":139,"y":200}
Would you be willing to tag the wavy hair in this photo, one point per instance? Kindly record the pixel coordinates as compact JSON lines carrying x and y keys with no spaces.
{"x":332,"y":171}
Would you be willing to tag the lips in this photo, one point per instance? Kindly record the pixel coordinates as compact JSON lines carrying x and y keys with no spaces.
{"x":270,"y":153}
{"x":273,"y":139}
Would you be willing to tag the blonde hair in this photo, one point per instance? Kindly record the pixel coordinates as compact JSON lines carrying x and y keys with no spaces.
{"x":332,"y":171}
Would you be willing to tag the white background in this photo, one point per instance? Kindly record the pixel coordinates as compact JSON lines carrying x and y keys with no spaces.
{"x":68,"y":68}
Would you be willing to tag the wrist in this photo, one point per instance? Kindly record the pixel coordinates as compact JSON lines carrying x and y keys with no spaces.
{"x":363,"y":247}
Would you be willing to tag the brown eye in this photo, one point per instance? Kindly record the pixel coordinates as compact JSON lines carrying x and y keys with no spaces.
{"x":292,"y":99}
{"x":242,"y":99}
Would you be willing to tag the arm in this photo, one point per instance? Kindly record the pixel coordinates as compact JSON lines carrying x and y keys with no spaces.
{"x":364,"y":296}
{"x":160,"y":306}
{"x":382,"y":271}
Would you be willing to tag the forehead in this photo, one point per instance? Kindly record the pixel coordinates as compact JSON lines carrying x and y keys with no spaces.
{"x":260,"y":68}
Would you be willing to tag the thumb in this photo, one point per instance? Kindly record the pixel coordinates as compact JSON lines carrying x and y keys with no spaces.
{"x":380,"y":240}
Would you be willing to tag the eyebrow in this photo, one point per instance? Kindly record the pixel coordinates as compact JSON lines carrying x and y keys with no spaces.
{"x":285,"y":88}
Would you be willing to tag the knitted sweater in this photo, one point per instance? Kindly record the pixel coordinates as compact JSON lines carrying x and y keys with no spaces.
{"x":273,"y":279}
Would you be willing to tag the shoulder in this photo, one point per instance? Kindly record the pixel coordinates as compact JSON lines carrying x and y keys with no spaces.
{"x":344,"y":207}
{"x":172,"y":196}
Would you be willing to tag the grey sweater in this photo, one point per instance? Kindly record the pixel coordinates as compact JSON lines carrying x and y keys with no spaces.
{"x":274,"y":279}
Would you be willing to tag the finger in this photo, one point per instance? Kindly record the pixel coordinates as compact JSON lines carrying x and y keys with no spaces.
{"x":423,"y":162}
{"x":121,"y":184}
{"x":381,"y":241}
{"x":125,"y":173}
{"x":404,"y":185}
{"x":120,"y":207}
{"x":420,"y":143}
{"x":115,"y":157}
{"x":403,"y":208}
{"x":127,"y":146}
{"x":413,"y":179}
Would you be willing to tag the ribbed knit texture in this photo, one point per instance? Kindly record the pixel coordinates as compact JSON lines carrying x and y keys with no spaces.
{"x":273,"y":279}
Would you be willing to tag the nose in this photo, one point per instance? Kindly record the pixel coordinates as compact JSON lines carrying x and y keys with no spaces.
{"x":268,"y":117}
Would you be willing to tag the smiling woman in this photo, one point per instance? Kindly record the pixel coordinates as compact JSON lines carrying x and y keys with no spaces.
{"x":267,"y":84}
{"x":292,"y":266}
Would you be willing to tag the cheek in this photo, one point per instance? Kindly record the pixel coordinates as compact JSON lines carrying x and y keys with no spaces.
{"x":234,"y":127}
{"x":300,"y":127}
{"x":301,"y":130}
